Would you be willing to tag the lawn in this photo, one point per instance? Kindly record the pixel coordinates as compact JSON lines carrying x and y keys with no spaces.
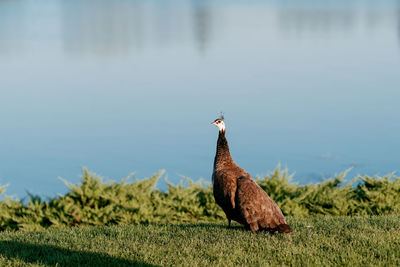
{"x":355,"y":241}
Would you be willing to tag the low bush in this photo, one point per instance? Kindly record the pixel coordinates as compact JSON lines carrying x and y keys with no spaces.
{"x":94,"y":202}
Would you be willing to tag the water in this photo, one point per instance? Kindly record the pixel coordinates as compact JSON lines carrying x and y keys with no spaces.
{"x":132,"y":86}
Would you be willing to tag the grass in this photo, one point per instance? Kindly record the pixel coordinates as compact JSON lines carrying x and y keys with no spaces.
{"x":323,"y":241}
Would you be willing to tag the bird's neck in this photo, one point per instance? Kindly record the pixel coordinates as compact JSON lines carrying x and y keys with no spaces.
{"x":222,"y":156}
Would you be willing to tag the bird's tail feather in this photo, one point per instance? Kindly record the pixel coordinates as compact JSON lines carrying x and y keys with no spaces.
{"x":284,"y":228}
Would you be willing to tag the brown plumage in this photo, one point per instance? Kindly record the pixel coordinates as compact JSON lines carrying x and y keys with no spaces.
{"x":241,"y":198}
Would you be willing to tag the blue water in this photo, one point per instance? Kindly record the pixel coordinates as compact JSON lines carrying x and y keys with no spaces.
{"x":132,"y":86}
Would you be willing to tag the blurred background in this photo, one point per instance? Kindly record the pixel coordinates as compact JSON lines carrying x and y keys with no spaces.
{"x":124,"y":86}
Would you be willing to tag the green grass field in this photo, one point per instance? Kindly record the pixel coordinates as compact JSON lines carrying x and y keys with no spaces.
{"x":323,"y":241}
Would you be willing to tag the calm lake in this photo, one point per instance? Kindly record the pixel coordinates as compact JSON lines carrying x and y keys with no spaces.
{"x":132,"y":86}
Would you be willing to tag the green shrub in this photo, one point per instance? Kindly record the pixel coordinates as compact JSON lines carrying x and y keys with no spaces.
{"x":94,"y":202}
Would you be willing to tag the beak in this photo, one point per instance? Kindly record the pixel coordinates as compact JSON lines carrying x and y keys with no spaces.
{"x":213,"y":122}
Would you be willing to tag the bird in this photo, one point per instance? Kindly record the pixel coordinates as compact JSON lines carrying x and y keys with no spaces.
{"x":238,"y":194}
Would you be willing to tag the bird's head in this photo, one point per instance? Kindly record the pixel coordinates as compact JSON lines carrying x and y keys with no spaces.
{"x":220,"y":124}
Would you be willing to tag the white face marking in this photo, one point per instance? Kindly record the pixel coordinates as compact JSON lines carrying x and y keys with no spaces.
{"x":220,"y":124}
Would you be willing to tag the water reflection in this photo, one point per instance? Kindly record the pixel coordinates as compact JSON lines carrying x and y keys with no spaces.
{"x":320,"y":21}
{"x":108,"y":28}
{"x":12,"y":26}
{"x":202,"y":23}
{"x":327,"y":19}
{"x":117,"y":27}
{"x":102,"y":28}
{"x":398,"y":20}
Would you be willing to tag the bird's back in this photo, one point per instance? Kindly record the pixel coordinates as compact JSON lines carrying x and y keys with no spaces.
{"x":257,"y":210}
